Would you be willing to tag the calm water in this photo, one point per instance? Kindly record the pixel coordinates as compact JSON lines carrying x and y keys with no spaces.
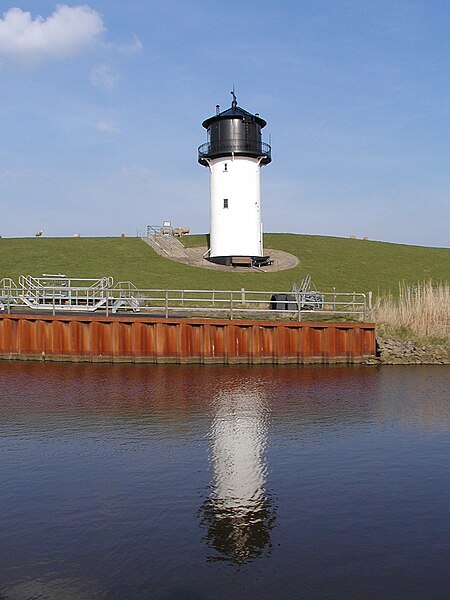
{"x":216,"y":482}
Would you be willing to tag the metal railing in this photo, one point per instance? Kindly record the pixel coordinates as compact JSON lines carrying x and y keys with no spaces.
{"x":158,"y":230}
{"x":57,"y":295}
{"x":251,"y":304}
{"x":9,"y":294}
{"x":235,"y":146}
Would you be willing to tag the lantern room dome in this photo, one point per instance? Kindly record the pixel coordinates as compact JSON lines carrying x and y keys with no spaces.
{"x":235,"y":112}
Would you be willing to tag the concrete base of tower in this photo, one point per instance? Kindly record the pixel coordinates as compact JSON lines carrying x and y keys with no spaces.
{"x":241,"y":261}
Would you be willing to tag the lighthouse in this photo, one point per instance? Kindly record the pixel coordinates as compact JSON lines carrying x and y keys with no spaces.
{"x":234,"y":154}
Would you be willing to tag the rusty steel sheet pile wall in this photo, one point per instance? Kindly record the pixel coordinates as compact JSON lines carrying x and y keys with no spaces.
{"x":142,"y":339}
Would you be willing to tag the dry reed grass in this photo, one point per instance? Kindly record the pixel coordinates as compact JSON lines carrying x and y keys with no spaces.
{"x":422,"y":310}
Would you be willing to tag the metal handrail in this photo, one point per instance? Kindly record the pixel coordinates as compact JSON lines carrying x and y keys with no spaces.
{"x":153,"y":230}
{"x":234,"y":146}
{"x":125,"y":296}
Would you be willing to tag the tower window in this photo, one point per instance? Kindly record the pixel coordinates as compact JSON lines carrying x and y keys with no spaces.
{"x":225,"y":202}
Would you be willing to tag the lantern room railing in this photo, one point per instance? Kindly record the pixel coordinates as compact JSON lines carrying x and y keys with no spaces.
{"x":235,"y":146}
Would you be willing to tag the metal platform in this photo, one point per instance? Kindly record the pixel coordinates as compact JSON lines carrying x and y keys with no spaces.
{"x":67,"y":294}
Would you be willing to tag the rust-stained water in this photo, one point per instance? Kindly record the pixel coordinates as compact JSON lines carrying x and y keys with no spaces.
{"x":223,"y":482}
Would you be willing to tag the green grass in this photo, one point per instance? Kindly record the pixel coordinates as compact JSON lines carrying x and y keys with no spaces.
{"x":350,"y":265}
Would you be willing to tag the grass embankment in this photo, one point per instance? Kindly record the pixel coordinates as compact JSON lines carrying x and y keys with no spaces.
{"x":347,"y":264}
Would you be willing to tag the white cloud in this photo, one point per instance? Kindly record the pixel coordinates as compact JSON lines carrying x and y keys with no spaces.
{"x":104,"y":76}
{"x":108,"y":127}
{"x":134,"y":48}
{"x":68,"y":31}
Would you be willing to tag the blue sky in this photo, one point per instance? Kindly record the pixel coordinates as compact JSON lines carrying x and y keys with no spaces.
{"x":101,"y":107}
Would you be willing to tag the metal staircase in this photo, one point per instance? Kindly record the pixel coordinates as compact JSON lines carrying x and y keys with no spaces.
{"x":127,"y":299}
{"x":164,"y":243}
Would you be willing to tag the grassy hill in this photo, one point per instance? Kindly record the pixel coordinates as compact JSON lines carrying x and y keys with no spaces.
{"x":348,"y":264}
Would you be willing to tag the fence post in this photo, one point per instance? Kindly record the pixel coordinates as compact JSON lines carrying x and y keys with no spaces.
{"x":167,"y":304}
{"x":231,"y":306}
{"x":334,"y":298}
{"x":370,"y":300}
{"x":53,"y":311}
{"x":107,"y":303}
{"x":242,"y":295}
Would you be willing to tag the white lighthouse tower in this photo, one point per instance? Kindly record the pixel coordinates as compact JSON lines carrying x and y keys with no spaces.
{"x":234,"y":154}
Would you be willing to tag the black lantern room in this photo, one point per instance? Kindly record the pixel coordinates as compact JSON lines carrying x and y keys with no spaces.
{"x":234,"y":132}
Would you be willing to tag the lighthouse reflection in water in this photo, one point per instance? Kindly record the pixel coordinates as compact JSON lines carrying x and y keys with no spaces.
{"x":238,"y":514}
